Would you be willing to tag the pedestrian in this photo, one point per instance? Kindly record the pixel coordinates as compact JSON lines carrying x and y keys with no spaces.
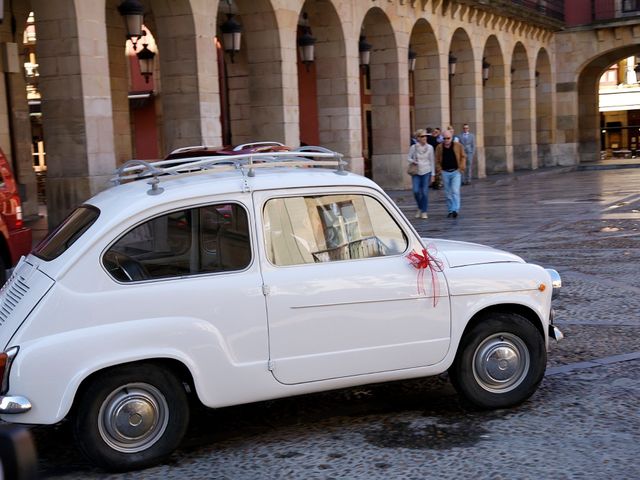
{"x":468,"y":141}
{"x":432,"y":137}
{"x":455,"y":137}
{"x":437,"y":134}
{"x":434,"y":140}
{"x":451,"y":162}
{"x":421,"y":169}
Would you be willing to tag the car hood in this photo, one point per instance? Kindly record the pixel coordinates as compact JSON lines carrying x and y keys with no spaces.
{"x":460,"y":254}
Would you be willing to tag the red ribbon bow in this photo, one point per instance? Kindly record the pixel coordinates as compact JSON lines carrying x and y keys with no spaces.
{"x":423,"y":262}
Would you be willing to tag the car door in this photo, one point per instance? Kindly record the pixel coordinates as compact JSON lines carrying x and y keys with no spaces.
{"x":342,"y":297}
{"x":196,"y":265}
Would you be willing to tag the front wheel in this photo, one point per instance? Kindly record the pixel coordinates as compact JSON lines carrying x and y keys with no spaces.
{"x":131,"y":417}
{"x":500,"y":361}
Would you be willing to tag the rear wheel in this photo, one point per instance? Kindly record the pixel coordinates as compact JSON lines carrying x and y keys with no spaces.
{"x":132,"y":417}
{"x":500,"y":361}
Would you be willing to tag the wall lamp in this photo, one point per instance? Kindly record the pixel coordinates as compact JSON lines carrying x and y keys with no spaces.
{"x":452,"y":64}
{"x":306,"y":42}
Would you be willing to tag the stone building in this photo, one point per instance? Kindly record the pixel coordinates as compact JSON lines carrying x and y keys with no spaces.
{"x":524,"y":74}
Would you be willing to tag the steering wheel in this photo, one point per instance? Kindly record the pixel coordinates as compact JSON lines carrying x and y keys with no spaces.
{"x":124,"y":268}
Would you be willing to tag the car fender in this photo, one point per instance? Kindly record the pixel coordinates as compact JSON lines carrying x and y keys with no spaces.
{"x":515,"y":286}
{"x":49,"y":370}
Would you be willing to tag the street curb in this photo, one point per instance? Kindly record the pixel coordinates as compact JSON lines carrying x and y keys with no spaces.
{"x":583,"y":167}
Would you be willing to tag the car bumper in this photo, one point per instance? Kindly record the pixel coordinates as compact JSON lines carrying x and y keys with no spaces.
{"x":14,"y":404}
{"x":554,"y":332}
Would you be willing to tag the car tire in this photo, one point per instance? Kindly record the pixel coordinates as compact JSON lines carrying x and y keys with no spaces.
{"x":131,"y":417}
{"x":500,"y":362}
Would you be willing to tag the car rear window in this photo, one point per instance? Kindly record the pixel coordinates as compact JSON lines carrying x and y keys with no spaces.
{"x":71,"y":228}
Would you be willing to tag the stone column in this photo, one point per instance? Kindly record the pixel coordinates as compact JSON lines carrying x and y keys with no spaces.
{"x":185,"y":34}
{"x":76,"y":105}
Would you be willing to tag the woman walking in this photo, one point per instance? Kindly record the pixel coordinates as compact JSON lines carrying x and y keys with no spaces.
{"x":421,"y":168}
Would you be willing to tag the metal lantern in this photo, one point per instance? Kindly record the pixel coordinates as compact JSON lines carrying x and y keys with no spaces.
{"x":145,"y":60}
{"x":452,"y":64}
{"x":485,"y":70}
{"x":231,"y":35}
{"x":306,"y":43}
{"x":364,"y":48}
{"x":412,"y":59}
{"x":133,"y":13}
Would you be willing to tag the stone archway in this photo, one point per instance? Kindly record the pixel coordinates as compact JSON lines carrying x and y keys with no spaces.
{"x":577,"y":118}
{"x":524,"y":150}
{"x":495,"y":109}
{"x":588,"y":112}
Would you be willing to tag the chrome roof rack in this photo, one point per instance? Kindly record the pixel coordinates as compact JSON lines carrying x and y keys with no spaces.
{"x":246,"y":163}
{"x":257,"y":144}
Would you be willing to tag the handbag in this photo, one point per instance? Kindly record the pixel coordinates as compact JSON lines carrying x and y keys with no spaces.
{"x":412,"y":169}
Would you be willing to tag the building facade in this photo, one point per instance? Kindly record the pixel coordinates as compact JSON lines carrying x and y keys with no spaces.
{"x":521,"y":73}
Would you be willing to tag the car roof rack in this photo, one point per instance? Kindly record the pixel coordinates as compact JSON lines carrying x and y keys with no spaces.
{"x":257,"y":144}
{"x":237,"y":148}
{"x":246,"y":163}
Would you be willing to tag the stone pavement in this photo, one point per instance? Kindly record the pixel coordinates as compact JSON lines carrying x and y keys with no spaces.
{"x":584,"y":421}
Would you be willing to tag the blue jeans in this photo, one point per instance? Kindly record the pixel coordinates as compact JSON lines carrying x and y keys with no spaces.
{"x":452,"y":182}
{"x":467,"y":172}
{"x":420,"y":184}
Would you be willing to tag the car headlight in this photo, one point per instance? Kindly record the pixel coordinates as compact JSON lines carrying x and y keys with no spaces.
{"x":556,"y":282}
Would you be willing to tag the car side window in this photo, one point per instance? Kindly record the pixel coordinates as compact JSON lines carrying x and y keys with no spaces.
{"x":327,"y":228}
{"x":187,"y":242}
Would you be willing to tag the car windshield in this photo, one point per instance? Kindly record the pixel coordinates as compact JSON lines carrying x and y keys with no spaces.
{"x":72,"y":228}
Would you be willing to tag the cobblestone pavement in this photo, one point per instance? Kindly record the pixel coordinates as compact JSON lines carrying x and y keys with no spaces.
{"x":582,"y":423}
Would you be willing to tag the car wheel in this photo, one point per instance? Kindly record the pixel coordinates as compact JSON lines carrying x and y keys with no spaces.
{"x":131,"y":417}
{"x":500,"y":361}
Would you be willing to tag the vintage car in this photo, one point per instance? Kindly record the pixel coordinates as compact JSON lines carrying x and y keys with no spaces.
{"x":258,"y":276}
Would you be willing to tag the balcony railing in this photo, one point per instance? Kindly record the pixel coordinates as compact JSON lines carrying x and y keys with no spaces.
{"x":631,"y":6}
{"x":549,"y":8}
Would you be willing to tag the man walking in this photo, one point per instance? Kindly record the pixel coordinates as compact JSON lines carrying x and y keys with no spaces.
{"x":451,"y":161}
{"x":468,"y":141}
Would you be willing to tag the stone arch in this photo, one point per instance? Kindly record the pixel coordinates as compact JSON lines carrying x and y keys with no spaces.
{"x":264,"y":98}
{"x":426,"y":76}
{"x":328,"y":75}
{"x":462,"y":85}
{"x":386,"y":120}
{"x":524,"y":150}
{"x":588,"y":135}
{"x":495,"y":109}
{"x":545,"y":119}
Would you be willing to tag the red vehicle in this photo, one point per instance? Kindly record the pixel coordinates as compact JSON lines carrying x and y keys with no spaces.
{"x":204,"y":151}
{"x":15,"y":240}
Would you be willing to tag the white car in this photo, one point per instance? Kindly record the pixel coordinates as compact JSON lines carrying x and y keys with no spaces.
{"x":233,"y":282}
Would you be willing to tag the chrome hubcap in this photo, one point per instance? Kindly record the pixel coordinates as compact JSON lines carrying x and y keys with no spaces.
{"x":133,"y":417}
{"x":501,"y":362}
